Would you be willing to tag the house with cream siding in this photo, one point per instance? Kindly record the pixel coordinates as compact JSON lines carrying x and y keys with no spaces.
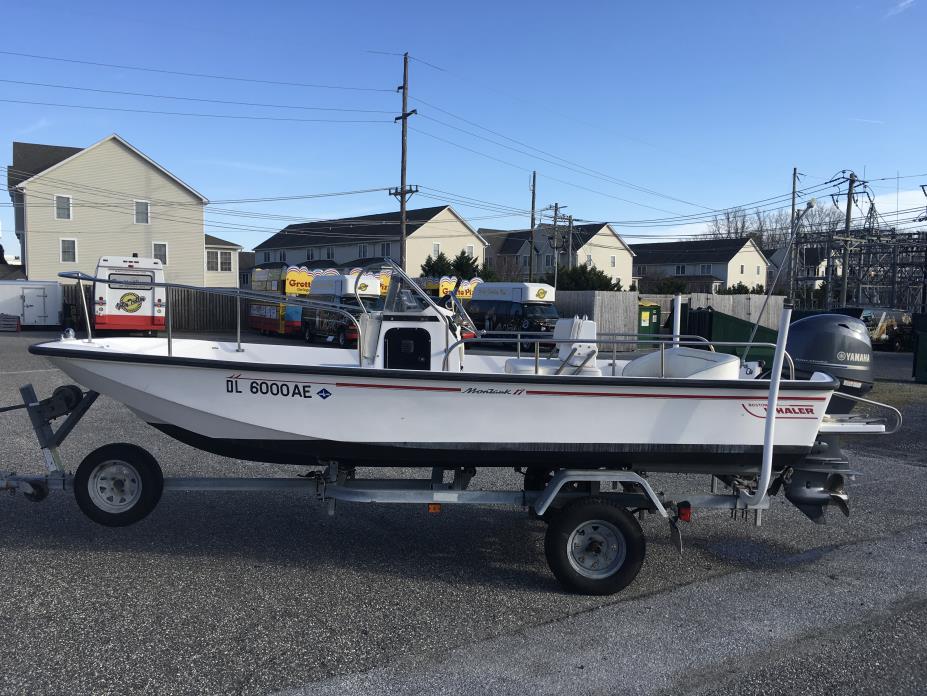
{"x":355,"y":240}
{"x":221,"y":263}
{"x":593,"y":244}
{"x":704,"y":265}
{"x":74,"y":205}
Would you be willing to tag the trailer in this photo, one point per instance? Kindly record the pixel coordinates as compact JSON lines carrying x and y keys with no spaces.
{"x":594,"y":542}
{"x":37,"y":303}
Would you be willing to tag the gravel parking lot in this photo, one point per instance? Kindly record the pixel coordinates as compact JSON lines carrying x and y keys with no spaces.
{"x":264,"y":592}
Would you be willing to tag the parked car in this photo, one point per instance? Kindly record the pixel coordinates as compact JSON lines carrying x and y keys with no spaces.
{"x":889,"y":328}
{"x":319,"y":324}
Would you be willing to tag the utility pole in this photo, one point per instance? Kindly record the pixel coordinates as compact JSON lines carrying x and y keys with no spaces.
{"x":793,"y":260}
{"x":846,"y":242}
{"x":403,"y":191}
{"x":570,"y":243}
{"x":534,"y":183}
{"x":555,"y":245}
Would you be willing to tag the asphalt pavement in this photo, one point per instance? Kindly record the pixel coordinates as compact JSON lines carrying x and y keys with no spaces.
{"x":264,"y":592}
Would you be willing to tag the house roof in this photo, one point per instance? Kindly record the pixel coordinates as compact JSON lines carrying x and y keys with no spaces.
{"x":515,"y":239}
{"x":692,"y":251}
{"x":77,"y":152}
{"x":217,"y":242}
{"x":31,"y":158}
{"x":363,"y":228}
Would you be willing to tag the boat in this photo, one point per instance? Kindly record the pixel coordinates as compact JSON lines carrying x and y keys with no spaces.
{"x":411,"y":394}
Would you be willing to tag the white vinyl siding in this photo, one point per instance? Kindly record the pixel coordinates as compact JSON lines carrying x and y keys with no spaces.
{"x":67,"y":251}
{"x":62,"y":207}
{"x":142,"y":213}
{"x":159,"y":251}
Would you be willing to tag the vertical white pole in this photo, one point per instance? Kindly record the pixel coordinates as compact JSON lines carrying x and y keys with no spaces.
{"x":677,"y":318}
{"x":770,"y":432}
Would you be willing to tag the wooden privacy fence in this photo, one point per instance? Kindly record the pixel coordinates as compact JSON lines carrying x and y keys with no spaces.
{"x":617,"y":312}
{"x":190,"y":310}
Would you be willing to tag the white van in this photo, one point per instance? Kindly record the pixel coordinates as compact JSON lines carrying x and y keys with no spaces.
{"x":121,"y":306}
{"x":513,"y":307}
{"x":319,"y":324}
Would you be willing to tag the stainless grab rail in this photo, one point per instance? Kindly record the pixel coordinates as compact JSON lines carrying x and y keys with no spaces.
{"x":661,"y":346}
{"x":228,"y":292}
{"x":877,"y":404}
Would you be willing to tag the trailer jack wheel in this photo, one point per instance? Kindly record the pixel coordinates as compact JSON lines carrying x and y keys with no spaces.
{"x":594,"y":546}
{"x":118,"y":484}
{"x":39,"y":492}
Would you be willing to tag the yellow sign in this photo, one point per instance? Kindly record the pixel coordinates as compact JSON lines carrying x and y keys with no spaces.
{"x":541,"y":293}
{"x":298,"y":280}
{"x":130,"y":302}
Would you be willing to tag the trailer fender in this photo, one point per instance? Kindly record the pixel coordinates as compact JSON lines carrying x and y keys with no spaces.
{"x":565,"y":476}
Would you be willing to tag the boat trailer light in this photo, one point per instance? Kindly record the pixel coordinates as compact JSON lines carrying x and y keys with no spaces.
{"x":684,"y":512}
{"x":434,"y":508}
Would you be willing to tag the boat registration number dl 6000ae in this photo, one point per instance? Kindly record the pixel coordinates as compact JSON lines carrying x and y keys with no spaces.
{"x":264,"y":387}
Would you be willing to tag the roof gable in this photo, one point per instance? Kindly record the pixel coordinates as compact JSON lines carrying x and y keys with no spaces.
{"x":217,"y":242}
{"x":117,"y":138}
{"x":30,"y":159}
{"x":352,"y":230}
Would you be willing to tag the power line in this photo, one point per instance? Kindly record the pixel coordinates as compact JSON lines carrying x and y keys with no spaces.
{"x":196,"y":99}
{"x":181,"y":113}
{"x":193,"y":74}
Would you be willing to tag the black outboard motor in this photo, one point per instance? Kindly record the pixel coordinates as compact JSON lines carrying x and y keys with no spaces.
{"x":838,"y":345}
{"x":835,"y":344}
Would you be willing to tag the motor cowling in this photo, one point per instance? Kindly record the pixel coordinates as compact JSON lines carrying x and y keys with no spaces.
{"x":838,"y":345}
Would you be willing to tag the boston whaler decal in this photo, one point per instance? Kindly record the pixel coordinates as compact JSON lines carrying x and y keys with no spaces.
{"x":757,"y":409}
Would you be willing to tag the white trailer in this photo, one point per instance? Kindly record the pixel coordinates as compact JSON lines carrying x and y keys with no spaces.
{"x":35,"y":302}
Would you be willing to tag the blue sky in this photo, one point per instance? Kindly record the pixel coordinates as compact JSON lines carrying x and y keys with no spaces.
{"x":707,"y":103}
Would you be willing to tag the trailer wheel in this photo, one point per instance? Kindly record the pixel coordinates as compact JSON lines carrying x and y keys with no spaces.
{"x":594,"y":546}
{"x":117,"y":485}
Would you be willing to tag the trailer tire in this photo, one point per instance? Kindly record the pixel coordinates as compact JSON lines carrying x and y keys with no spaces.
{"x":594,"y":546}
{"x":117,"y":485}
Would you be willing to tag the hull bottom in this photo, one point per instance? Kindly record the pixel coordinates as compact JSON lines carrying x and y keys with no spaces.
{"x":707,"y":459}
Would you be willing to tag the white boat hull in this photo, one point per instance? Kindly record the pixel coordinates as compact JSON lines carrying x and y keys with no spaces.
{"x":228,"y":402}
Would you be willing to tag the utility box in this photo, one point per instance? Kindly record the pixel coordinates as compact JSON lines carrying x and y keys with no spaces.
{"x":920,"y":348}
{"x":648,"y":321}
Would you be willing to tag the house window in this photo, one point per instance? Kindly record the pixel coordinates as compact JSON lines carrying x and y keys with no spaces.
{"x":549,"y":260}
{"x":589,"y":260}
{"x":386,"y":249}
{"x":245,"y":280}
{"x":282,"y":256}
{"x":212,"y":260}
{"x":613,"y":261}
{"x":470,"y":250}
{"x":310,"y":254}
{"x":225,"y":261}
{"x":741,"y":269}
{"x":159,"y":251}
{"x":705,"y":269}
{"x":758,"y":270}
{"x":362,"y":251}
{"x":435,"y":249}
{"x":524,"y":261}
{"x":641,"y":270}
{"x":68,"y":251}
{"x":266,"y":257}
{"x":62,"y":207}
{"x":680,"y":269}
{"x":329,"y":253}
{"x":141,"y":212}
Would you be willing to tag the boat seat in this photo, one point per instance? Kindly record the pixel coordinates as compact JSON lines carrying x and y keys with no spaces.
{"x":577,"y":357}
{"x":684,"y":362}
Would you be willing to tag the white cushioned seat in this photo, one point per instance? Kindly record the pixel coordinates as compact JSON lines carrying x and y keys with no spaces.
{"x":684,"y":362}
{"x":579,"y":356}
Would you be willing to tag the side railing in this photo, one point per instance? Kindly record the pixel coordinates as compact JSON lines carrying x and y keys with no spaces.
{"x":238,"y":293}
{"x":661,"y":344}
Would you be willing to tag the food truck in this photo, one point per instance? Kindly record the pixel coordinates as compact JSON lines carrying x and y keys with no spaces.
{"x":121,"y":304}
{"x":344,"y":290}
{"x":279,"y":281}
{"x":513,"y":307}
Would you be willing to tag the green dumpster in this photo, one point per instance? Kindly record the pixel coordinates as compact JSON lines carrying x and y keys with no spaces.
{"x":920,"y":348}
{"x":718,"y":326}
